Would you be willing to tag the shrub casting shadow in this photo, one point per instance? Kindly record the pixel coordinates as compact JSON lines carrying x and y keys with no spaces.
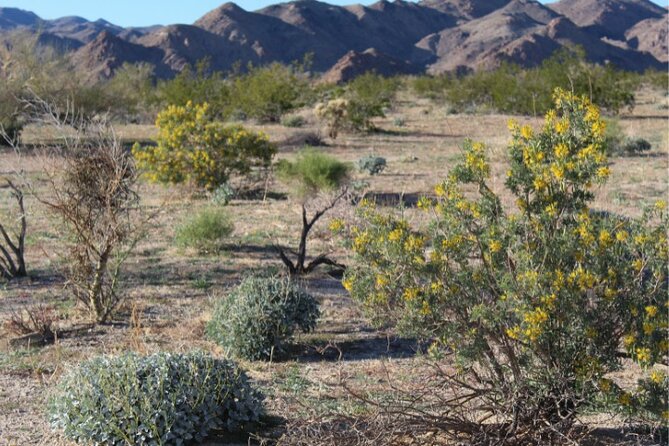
{"x":352,"y":350}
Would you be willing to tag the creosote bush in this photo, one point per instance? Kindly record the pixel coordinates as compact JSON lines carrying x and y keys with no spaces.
{"x":254,"y":320}
{"x":205,"y":231}
{"x":533,"y":305}
{"x":193,"y":148}
{"x":161,"y":399}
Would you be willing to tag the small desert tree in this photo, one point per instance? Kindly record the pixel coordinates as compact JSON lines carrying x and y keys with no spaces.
{"x":93,"y":191}
{"x":534,"y":306}
{"x":312,"y":174}
{"x":12,"y":249}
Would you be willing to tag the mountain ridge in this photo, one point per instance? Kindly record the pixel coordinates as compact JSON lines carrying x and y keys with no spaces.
{"x":432,"y":36}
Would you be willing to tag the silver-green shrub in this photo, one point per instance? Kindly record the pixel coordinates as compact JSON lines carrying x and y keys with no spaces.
{"x":258,"y":315}
{"x":161,"y":399}
{"x":372,"y":164}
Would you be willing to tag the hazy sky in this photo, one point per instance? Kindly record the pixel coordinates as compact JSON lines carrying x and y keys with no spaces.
{"x":146,"y":12}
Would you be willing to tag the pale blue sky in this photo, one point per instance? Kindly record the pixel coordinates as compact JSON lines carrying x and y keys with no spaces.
{"x":145,"y":12}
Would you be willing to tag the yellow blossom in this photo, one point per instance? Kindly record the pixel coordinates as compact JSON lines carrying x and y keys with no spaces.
{"x":643,"y":354}
{"x":526,"y":132}
{"x":603,"y":172}
{"x":657,"y":376}
{"x":651,"y":311}
{"x":621,"y":236}
{"x":495,"y":246}
{"x":561,"y":150}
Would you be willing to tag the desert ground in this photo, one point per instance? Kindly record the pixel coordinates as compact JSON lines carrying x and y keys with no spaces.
{"x":170,"y":290}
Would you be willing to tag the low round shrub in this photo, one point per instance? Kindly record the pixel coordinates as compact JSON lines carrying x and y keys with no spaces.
{"x":223,"y":194}
{"x":372,"y":164}
{"x":161,"y":399}
{"x":293,"y":121}
{"x":635,"y":146}
{"x":256,"y":317}
{"x":205,"y":231}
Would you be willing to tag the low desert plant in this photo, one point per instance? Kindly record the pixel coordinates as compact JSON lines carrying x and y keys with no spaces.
{"x":193,"y":148}
{"x":222,"y":195}
{"x":293,"y":121}
{"x":38,"y":318}
{"x":161,"y":399}
{"x":257,"y":317}
{"x":533,"y":306}
{"x":371,"y":164}
{"x":205,"y":231}
{"x":635,"y":146}
{"x":12,"y":246}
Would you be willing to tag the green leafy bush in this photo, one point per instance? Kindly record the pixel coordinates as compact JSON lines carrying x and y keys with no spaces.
{"x":372,"y":164}
{"x":266,"y":93}
{"x":313,"y":171}
{"x":368,"y":96}
{"x":161,"y":399}
{"x":205,"y":231}
{"x":255,"y":319}
{"x":534,"y":304}
{"x":193,"y":147}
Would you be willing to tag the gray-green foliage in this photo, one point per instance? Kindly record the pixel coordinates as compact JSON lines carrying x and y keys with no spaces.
{"x":255,"y":319}
{"x":205,"y":231}
{"x":372,"y":164}
{"x":161,"y":399}
{"x":223,"y":194}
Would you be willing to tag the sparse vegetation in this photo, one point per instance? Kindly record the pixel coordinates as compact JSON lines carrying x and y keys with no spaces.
{"x":258,"y":316}
{"x":532,"y":313}
{"x":160,"y":399}
{"x":205,"y":231}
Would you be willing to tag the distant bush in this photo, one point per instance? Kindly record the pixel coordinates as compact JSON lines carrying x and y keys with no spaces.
{"x":222,"y":195}
{"x":255,"y":319}
{"x":196,"y":85}
{"x":205,"y":231}
{"x":368,"y":96}
{"x":266,"y":93}
{"x":161,"y":399}
{"x":513,"y":89}
{"x":293,"y":121}
{"x":372,"y":164}
{"x":313,"y":171}
{"x":399,"y":121}
{"x":635,"y":146}
{"x":194,"y":148}
{"x":334,"y":113}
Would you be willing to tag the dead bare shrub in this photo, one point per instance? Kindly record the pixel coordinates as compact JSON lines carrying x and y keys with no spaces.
{"x":39,"y":318}
{"x":93,"y":191}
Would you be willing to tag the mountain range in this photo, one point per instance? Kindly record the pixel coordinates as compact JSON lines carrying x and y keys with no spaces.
{"x":432,"y":36}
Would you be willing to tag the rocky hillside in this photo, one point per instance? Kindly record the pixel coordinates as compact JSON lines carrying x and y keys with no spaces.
{"x":389,"y":37}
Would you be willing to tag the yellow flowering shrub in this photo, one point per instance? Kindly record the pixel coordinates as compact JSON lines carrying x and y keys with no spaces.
{"x":535,"y":304}
{"x":192,"y":147}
